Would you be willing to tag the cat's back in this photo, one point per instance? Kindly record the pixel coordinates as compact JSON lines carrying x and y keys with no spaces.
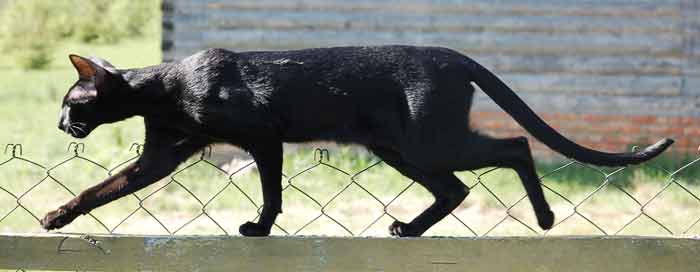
{"x":365,"y":56}
{"x":365,"y":61}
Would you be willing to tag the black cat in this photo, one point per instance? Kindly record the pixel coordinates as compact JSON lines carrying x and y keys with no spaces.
{"x":408,"y":105}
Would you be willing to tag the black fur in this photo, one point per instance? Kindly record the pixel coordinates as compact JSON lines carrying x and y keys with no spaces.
{"x":408,"y":105}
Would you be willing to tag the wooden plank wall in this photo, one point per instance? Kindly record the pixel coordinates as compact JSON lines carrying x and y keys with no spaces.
{"x":590,"y":57}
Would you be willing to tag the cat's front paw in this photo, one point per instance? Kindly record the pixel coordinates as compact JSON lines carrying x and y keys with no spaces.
{"x":253,"y":229}
{"x":57,"y":219}
{"x":401,"y":229}
{"x":545,"y":219}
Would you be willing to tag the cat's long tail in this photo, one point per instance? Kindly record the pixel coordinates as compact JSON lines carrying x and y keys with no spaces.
{"x":516,"y":108}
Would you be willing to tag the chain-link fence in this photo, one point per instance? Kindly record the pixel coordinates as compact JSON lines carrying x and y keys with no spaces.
{"x":322,"y":197}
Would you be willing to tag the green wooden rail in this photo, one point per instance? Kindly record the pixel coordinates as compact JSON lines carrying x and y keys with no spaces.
{"x":231,"y":253}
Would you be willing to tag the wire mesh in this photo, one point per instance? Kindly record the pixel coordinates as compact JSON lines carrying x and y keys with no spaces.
{"x":321,"y":198}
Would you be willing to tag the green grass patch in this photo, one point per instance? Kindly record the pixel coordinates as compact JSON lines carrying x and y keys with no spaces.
{"x":31,"y":29}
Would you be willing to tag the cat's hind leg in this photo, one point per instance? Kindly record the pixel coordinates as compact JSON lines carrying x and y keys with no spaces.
{"x":447,"y":190}
{"x":511,"y":153}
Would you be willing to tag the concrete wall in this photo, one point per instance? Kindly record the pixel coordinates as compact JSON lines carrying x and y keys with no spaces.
{"x":608,"y":73}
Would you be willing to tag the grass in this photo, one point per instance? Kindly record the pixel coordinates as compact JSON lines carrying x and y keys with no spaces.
{"x":32,"y":42}
{"x":29,"y":105}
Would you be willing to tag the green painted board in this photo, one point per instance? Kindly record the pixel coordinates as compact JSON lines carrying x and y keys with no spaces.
{"x":233,"y":253}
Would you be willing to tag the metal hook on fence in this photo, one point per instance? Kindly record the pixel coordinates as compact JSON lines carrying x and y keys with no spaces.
{"x":15,"y":147}
{"x":137,"y":146}
{"x":321,"y":154}
{"x":206,"y":152}
{"x":89,"y":240}
{"x":76,"y":146}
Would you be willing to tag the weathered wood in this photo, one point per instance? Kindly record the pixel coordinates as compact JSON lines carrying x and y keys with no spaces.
{"x":225,"y":253}
{"x":594,"y":56}
{"x":573,"y":64}
{"x":595,"y":104}
{"x":667,"y":8}
{"x":503,"y":43}
{"x":388,"y":21}
{"x":612,"y":85}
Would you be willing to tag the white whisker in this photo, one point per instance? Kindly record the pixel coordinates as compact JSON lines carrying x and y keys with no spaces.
{"x":78,"y":128}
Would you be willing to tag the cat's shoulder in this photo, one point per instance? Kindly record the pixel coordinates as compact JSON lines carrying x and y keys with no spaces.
{"x":210,"y":55}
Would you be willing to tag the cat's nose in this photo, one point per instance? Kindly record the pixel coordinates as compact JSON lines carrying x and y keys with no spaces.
{"x":63,"y":119}
{"x":63,"y":123}
{"x":61,"y":126}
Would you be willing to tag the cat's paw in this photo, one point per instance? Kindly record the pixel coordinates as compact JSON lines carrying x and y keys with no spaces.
{"x":253,"y":229}
{"x":545,"y":219}
{"x":402,"y":229}
{"x":57,"y":219}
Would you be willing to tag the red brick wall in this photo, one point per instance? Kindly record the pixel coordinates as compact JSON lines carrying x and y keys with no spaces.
{"x":613,"y":133}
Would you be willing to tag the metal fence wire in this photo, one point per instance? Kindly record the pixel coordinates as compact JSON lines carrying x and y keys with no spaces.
{"x":204,"y":198}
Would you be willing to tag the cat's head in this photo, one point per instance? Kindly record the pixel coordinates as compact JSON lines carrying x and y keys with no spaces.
{"x":93,"y":99}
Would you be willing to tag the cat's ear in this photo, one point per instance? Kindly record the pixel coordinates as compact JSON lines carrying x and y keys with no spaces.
{"x":99,"y":71}
{"x":104,"y":64}
{"x":85,"y":67}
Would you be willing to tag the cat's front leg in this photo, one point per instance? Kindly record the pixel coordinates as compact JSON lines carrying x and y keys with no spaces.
{"x":160,"y":157}
{"x":98,"y":195}
{"x":268,"y":157}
